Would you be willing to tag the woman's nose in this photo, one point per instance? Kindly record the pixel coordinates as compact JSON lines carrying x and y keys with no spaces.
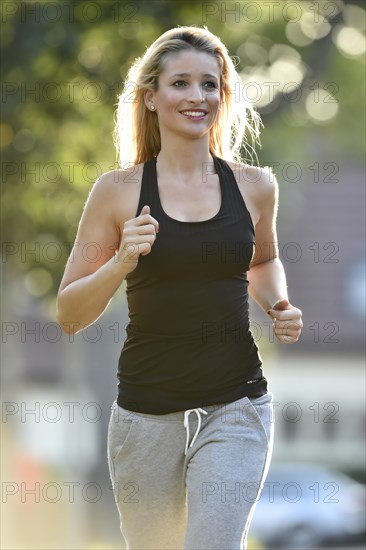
{"x":196,"y":93}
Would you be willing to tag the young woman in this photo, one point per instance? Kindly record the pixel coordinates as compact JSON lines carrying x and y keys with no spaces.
{"x":191,"y":431}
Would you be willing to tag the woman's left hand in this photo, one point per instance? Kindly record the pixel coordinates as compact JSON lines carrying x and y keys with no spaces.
{"x":287,"y":321}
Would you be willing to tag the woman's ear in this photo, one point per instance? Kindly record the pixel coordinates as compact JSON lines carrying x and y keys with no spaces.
{"x":149,"y":98}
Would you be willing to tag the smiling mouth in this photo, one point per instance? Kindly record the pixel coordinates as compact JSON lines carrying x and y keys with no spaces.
{"x":194,"y":114}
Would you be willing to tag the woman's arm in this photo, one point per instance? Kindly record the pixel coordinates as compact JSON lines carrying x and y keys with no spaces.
{"x":266,"y":276}
{"x":267,"y":283}
{"x":92,"y":273}
{"x":107,"y":247}
{"x":83,"y":301}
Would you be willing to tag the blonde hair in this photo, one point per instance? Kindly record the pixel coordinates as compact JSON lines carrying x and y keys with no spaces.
{"x":136,"y":133}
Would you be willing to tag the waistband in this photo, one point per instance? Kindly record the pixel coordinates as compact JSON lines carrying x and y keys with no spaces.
{"x":183,"y":416}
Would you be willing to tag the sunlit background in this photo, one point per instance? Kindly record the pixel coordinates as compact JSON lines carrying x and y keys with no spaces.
{"x":63,"y":64}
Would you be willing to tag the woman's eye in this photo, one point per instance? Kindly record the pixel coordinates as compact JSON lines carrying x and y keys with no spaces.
{"x":210,"y":85}
{"x":179,"y":82}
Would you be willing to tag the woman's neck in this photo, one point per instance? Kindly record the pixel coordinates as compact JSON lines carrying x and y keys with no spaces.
{"x":185,"y":159}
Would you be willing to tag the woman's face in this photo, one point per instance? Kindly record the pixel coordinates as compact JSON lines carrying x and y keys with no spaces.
{"x":188,"y":96}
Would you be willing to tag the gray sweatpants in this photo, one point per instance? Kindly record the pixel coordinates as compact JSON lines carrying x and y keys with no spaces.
{"x":203,"y":499}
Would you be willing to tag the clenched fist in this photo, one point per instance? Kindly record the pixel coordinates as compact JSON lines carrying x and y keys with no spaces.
{"x":287,"y":321}
{"x":138,"y":236}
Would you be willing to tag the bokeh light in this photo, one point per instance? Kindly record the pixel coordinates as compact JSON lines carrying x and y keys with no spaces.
{"x":38,"y":281}
{"x":314,"y":27}
{"x":296,"y":35}
{"x":351,"y":42}
{"x":321,"y":106}
{"x":90,"y":57}
{"x":24,"y":140}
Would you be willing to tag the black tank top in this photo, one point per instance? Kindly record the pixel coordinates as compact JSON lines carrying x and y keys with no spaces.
{"x":188,"y":340}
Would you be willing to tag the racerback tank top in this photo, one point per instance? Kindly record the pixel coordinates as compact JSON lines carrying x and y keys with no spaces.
{"x":188,"y":341}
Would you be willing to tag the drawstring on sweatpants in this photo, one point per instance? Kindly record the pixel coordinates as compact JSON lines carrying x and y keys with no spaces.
{"x":186,"y":424}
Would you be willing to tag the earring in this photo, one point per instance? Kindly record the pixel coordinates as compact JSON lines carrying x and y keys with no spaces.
{"x":152,"y":107}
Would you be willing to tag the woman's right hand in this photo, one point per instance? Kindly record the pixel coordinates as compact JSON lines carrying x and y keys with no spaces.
{"x":138,"y":236}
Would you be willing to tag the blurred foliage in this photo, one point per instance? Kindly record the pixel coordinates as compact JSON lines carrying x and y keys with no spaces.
{"x":63,"y":64}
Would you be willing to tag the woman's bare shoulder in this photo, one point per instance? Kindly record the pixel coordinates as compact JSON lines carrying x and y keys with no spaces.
{"x":116,"y":192}
{"x":261,"y":181}
{"x":131,"y":174}
{"x":118,"y":186}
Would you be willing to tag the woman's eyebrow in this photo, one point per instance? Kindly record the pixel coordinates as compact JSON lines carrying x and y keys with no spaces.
{"x":207,"y":75}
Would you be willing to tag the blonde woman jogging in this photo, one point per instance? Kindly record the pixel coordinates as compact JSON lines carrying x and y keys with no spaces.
{"x":187,"y":224}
